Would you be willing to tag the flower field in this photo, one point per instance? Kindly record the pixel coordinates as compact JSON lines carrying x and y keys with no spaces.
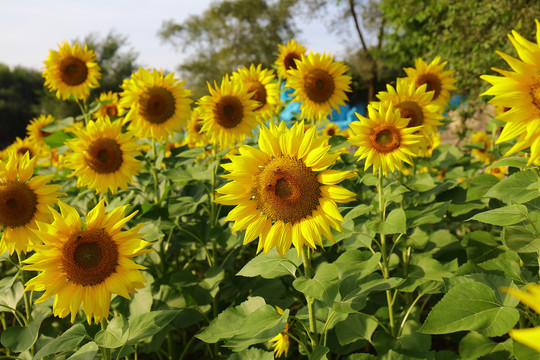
{"x":154,"y":225}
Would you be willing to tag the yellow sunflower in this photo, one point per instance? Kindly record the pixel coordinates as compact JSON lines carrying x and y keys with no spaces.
{"x":85,"y":264}
{"x":228,"y":113}
{"x":518,"y":91}
{"x":437,"y":80}
{"x":384,"y":139}
{"x":103,"y":157}
{"x":320,"y":84}
{"x":332,"y":129}
{"x":283,"y":192}
{"x":24,"y":199}
{"x":281,"y":340}
{"x":531,"y":298}
{"x":265,"y":90}
{"x":287,"y":55}
{"x":428,"y":144}
{"x":413,"y":103}
{"x":482,"y":154}
{"x":194,"y":134}
{"x":35,"y":132}
{"x":111,"y":108}
{"x":71,"y":71}
{"x":159,"y":105}
{"x":498,"y":171}
{"x":22,"y":146}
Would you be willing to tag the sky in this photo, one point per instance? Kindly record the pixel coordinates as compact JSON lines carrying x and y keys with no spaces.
{"x":30,"y":28}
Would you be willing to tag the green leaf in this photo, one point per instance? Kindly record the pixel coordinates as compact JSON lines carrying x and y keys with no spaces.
{"x":182,"y":206}
{"x":142,"y":326}
{"x":191,"y":153}
{"x":395,"y":223}
{"x":423,"y":268}
{"x":271,"y":265}
{"x":474,"y":345}
{"x":57,"y":139}
{"x":116,"y":334}
{"x":69,"y":340}
{"x":19,"y":339}
{"x":506,"y":215}
{"x":421,"y":182}
{"x":523,"y":352}
{"x":514,"y":161}
{"x":58,"y":125}
{"x":430,"y":214}
{"x":521,"y":240}
{"x":513,"y":190}
{"x":480,"y":185}
{"x":319,"y":353}
{"x":357,"y":263}
{"x":324,"y":285}
{"x":355,"y":327}
{"x":252,"y":354}
{"x":87,"y":352}
{"x":11,"y":292}
{"x":470,"y":306}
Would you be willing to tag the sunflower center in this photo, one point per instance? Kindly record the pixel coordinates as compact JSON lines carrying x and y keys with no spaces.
{"x":259,"y":93}
{"x":110,"y":110}
{"x":198,"y":127}
{"x":331,"y":132}
{"x":89,"y":257}
{"x":385,"y":138}
{"x":289,"y":62}
{"x":319,"y":85}
{"x":18,"y":204}
{"x":433,"y":84}
{"x":535,"y":94}
{"x":104,"y":156}
{"x":157,"y":105}
{"x":23,"y":150}
{"x":229,"y":111}
{"x":412,"y":111}
{"x":73,"y":71}
{"x":287,"y":190}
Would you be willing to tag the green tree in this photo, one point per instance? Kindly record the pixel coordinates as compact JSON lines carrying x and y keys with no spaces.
{"x":465,"y":33}
{"x":229,"y":34}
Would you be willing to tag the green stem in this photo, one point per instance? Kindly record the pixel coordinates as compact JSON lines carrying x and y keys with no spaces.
{"x":301,"y":343}
{"x":310,"y":300}
{"x":186,"y":348}
{"x":83,"y":111}
{"x":408,"y":313}
{"x":27,"y":302}
{"x":105,"y":351}
{"x":155,"y":171}
{"x":170,"y":346}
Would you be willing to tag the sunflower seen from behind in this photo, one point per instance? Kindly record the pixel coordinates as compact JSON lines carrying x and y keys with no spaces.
{"x":228,"y":113}
{"x":83,"y":264}
{"x":71,"y":71}
{"x":320,"y":84}
{"x":159,"y":104}
{"x":517,"y":94}
{"x":283,"y":193}
{"x":384,"y":139}
{"x":24,"y":199}
{"x":260,"y":83}
{"x":109,"y":107}
{"x":436,"y":79}
{"x":286,"y":56}
{"x":103,"y":157}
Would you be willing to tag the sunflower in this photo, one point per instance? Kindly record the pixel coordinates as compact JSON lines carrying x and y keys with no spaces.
{"x":482,"y":154}
{"x":531,"y":298}
{"x":195,"y":135}
{"x":413,"y":103}
{"x":320,"y":84}
{"x":384,"y":139}
{"x":283,"y":192}
{"x":281,"y":340}
{"x":286,"y":57}
{"x":228,"y":113}
{"x":110,"y":106}
{"x":265,"y":90}
{"x":103,"y":157}
{"x":71,"y":71}
{"x":159,"y":105}
{"x":428,"y":144}
{"x":518,"y":92}
{"x":22,"y":146}
{"x":437,"y":80}
{"x":332,"y":129}
{"x":24,"y":199}
{"x":498,"y":171}
{"x":35,"y":132}
{"x":85,"y":264}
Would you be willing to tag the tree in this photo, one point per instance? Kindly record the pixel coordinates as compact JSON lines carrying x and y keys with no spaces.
{"x":465,"y":33}
{"x":228,"y":35}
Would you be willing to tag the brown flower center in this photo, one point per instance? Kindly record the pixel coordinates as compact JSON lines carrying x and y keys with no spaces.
{"x":289,"y":62}
{"x":385,"y":138}
{"x":331,"y":132}
{"x":23,"y":150}
{"x":319,"y":85}
{"x":198,"y":126}
{"x":157,"y":105}
{"x":433,"y":83}
{"x":535,"y":94}
{"x":18,"y":204}
{"x":73,"y":71}
{"x":229,"y":111}
{"x":104,"y":156}
{"x":259,"y":93}
{"x":89,"y":257}
{"x":287,"y":190}
{"x":110,"y":110}
{"x":412,"y":111}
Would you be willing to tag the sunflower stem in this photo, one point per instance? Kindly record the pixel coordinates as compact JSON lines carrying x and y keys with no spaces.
{"x":154,"y":171}
{"x":306,"y":257}
{"x":83,"y":111}
{"x":105,"y":351}
{"x":384,"y":255}
{"x":27,"y":302}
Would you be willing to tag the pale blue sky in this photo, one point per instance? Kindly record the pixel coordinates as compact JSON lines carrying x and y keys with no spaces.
{"x":29,"y":28}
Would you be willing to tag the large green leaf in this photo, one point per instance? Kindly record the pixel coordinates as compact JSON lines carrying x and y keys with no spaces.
{"x":357,"y":263}
{"x":519,"y":239}
{"x":115,"y":335}
{"x":480,"y":185}
{"x":142,"y":326}
{"x":430,"y":214}
{"x":470,"y":306}
{"x":271,"y":265}
{"x":506,"y":215}
{"x":87,"y":352}
{"x":355,"y":327}
{"x":514,"y":189}
{"x":324,"y":285}
{"x":18,"y":339}
{"x":69,"y":340}
{"x":395,"y":223}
